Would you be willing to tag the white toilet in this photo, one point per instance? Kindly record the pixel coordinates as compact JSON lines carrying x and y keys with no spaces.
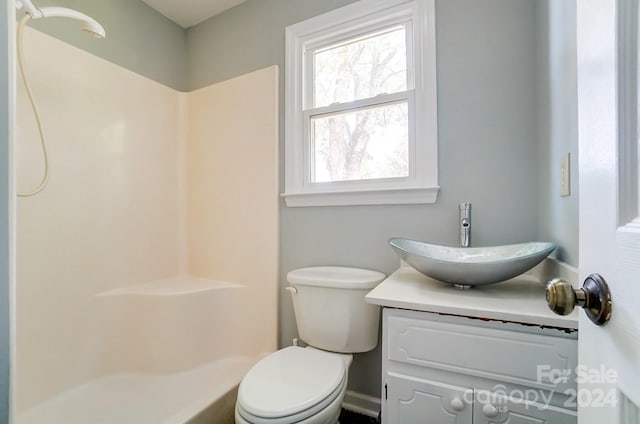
{"x":307,"y":385}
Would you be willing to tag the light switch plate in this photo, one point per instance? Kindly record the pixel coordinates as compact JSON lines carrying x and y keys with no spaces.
{"x":565,"y":175}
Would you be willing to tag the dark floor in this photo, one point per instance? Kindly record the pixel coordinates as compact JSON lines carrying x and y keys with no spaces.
{"x":348,"y":417}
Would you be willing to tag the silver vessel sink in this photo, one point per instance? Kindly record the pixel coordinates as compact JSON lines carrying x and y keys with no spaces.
{"x":471,"y":266}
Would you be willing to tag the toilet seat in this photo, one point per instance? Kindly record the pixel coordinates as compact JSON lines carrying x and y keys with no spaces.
{"x":325,"y":412}
{"x":291,"y":385}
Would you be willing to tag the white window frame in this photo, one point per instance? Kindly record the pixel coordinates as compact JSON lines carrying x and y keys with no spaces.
{"x":421,"y":186}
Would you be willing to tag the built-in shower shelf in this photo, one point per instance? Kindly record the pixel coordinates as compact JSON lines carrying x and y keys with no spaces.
{"x":179,"y":285}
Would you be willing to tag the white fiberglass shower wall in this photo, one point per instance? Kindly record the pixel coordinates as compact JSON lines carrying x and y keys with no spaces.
{"x":147,"y":269}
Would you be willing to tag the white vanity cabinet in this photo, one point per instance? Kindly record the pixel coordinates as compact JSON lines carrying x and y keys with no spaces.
{"x":440,"y":369}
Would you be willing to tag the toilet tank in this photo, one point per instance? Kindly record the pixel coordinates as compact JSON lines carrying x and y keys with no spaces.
{"x":330,"y":309}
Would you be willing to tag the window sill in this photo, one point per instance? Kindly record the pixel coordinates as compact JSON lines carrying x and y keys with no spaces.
{"x":403,"y":196}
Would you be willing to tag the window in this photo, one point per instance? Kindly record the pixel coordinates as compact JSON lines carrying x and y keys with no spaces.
{"x":361,"y":124}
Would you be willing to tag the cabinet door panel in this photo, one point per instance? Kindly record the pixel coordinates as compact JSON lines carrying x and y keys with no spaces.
{"x":412,"y":400}
{"x":480,"y":352}
{"x":492,"y":408}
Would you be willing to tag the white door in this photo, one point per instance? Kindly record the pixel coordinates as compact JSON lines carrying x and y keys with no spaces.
{"x":609,"y":356}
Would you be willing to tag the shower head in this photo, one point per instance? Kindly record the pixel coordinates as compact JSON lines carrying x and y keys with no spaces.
{"x":87,"y":23}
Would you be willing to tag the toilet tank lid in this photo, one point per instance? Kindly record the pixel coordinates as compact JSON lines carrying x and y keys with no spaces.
{"x":335,"y":277}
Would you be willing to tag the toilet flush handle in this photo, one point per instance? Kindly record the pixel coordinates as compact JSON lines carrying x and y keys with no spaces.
{"x":291,"y":290}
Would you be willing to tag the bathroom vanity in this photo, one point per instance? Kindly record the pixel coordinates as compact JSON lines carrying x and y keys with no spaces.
{"x":492,"y":354}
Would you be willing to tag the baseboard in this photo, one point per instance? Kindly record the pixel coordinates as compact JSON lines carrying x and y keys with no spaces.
{"x":361,"y":404}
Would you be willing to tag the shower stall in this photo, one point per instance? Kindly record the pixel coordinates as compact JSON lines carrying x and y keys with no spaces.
{"x":146,"y":279}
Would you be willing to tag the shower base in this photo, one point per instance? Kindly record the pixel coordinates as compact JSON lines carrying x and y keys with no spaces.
{"x":173,"y":398}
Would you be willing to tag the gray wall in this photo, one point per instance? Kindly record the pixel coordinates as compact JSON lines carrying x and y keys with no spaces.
{"x":558,"y":125}
{"x":138,"y":38}
{"x":4,"y":218}
{"x":487,"y":138}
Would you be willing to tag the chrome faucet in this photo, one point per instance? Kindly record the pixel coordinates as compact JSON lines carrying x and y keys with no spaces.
{"x":465,"y":224}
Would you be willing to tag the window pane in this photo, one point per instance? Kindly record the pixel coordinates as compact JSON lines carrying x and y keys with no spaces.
{"x":361,"y":145}
{"x":361,"y":68}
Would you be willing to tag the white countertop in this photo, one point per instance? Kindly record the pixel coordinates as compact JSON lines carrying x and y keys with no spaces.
{"x":521,"y":299}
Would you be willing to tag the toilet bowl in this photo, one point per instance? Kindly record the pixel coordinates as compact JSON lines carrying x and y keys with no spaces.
{"x":294,"y":385}
{"x":307,"y":385}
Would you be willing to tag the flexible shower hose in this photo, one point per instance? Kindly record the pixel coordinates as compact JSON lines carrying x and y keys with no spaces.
{"x":27,"y":86}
